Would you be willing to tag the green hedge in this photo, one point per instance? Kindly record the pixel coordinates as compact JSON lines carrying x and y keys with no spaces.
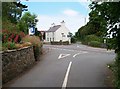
{"x":59,"y":43}
{"x":73,"y":40}
{"x":8,"y":46}
{"x":93,"y":40}
{"x":115,"y":67}
{"x":94,"y":44}
{"x":90,"y":38}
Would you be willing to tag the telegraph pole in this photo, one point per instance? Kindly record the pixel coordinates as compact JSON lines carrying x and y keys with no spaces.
{"x":85,"y":20}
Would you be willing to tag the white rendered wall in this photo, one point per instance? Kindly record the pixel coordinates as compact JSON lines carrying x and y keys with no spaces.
{"x":49,"y":36}
{"x":59,"y":32}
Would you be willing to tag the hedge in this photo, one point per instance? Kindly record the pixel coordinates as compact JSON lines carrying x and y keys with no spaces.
{"x":94,"y":44}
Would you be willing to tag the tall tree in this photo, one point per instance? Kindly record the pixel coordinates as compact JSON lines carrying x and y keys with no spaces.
{"x":27,"y":20}
{"x":110,"y":13}
{"x":12,"y":11}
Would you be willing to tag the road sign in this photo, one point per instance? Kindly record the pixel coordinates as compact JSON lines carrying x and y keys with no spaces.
{"x":31,"y":31}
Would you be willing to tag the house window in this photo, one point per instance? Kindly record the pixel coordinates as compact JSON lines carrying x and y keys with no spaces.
{"x":47,"y":39}
{"x":53,"y":39}
{"x":47,"y":34}
{"x":53,"y":33}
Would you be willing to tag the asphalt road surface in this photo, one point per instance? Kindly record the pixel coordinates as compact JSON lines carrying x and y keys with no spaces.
{"x":67,"y":66}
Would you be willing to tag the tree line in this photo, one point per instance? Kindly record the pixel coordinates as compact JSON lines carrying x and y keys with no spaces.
{"x":17,"y":14}
{"x":104,"y":21}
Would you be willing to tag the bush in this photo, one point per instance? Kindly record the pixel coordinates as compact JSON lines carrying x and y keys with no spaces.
{"x":8,"y":45}
{"x":95,"y":44}
{"x":73,"y":40}
{"x":35,"y":40}
{"x":84,"y":42}
{"x":115,"y":67}
{"x":59,"y":42}
{"x":37,"y":44}
{"x":6,"y":24}
{"x":0,"y":45}
{"x":56,"y":43}
{"x":90,"y":38}
{"x":8,"y":36}
{"x":23,"y":45}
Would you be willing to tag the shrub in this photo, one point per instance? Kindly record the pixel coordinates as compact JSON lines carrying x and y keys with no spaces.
{"x":56,"y":43}
{"x":9,"y":45}
{"x":9,"y":36}
{"x":23,"y":45}
{"x":16,"y":39}
{"x":84,"y":42}
{"x":32,"y":39}
{"x":37,"y":44}
{"x":115,"y":67}
{"x":22,"y":34}
{"x":36,"y":52}
{"x":0,"y":46}
{"x":4,"y":38}
{"x":59,"y":42}
{"x":90,"y":38}
{"x":73,"y":40}
{"x":95,"y":44}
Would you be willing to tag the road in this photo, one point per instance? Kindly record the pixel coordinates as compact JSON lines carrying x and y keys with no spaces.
{"x":67,"y":66}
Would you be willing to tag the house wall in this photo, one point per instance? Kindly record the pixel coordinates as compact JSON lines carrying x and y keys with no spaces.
{"x":50,"y":36}
{"x":57,"y":35}
{"x":59,"y":32}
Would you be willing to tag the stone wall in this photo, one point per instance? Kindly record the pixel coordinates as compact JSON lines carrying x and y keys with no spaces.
{"x":15,"y":62}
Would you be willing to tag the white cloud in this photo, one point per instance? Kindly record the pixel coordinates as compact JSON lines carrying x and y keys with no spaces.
{"x":83,"y":0}
{"x":70,"y":12}
{"x":74,"y":20}
{"x":85,"y":3}
{"x":73,"y":23}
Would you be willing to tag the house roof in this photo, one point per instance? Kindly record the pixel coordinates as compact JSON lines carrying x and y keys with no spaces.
{"x":54,"y":28}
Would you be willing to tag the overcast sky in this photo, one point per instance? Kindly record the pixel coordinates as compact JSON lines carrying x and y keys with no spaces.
{"x":75,"y":14}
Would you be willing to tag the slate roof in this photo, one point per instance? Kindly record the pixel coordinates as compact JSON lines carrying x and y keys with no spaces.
{"x":54,"y":28}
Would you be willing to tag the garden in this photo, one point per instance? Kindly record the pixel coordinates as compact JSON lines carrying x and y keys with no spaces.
{"x":15,"y":28}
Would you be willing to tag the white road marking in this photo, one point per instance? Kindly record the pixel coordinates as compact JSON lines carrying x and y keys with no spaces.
{"x":66,"y":76}
{"x":63,"y":55}
{"x":76,"y":54}
{"x":64,"y":49}
{"x":77,"y":46}
{"x":82,"y":52}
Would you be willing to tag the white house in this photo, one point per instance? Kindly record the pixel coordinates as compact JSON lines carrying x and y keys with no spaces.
{"x":57,"y":33}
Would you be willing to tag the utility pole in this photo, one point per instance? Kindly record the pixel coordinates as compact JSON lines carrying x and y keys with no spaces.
{"x":85,"y":20}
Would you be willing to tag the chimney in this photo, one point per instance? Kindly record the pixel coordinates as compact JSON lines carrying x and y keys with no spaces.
{"x":63,"y":23}
{"x":53,"y":24}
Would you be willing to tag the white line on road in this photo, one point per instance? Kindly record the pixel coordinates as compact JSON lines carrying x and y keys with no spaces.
{"x":82,"y":52}
{"x":77,"y":46}
{"x":69,"y":50}
{"x":76,"y":54}
{"x":63,"y":55}
{"x":66,"y":76}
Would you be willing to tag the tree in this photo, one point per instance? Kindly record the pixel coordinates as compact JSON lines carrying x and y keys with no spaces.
{"x":28,"y":20}
{"x":110,"y":14}
{"x":12,"y":11}
{"x":38,"y":33}
{"x":89,"y":29}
